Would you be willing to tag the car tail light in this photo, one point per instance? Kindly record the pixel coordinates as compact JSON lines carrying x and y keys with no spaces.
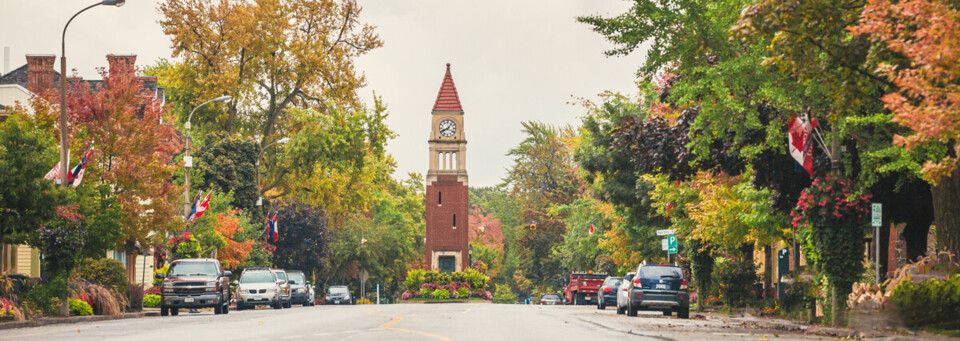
{"x":683,"y":284}
{"x":639,"y":295}
{"x":636,"y":281}
{"x":607,"y":289}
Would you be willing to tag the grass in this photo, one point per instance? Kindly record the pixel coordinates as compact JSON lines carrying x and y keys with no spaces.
{"x":944,"y":332}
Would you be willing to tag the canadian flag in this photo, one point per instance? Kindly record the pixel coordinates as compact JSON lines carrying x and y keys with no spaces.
{"x":800,"y":135}
{"x":201,"y":206}
{"x":590,"y":232}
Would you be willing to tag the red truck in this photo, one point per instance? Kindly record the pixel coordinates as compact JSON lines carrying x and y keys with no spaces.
{"x":582,"y":287}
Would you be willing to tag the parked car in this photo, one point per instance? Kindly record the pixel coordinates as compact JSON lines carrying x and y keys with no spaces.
{"x":284,"y":287}
{"x":550,"y":299}
{"x":608,"y":292}
{"x":301,"y":290}
{"x":656,"y":287}
{"x":623,"y":294}
{"x":258,"y":287}
{"x":339,"y":295}
{"x":194,"y":283}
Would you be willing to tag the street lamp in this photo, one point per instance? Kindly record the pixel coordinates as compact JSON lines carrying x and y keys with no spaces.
{"x":188,"y":160}
{"x":280,"y":141}
{"x":64,"y":161}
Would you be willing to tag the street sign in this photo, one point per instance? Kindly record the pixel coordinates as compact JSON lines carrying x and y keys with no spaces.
{"x":672,"y":244}
{"x":664,"y":244}
{"x":876,"y":211}
{"x":664,"y":232}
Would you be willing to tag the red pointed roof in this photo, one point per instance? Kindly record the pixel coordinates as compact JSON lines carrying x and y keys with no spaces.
{"x":447,"y":98}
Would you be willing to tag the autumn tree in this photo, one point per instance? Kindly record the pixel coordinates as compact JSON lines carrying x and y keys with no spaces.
{"x":134,"y":142}
{"x":237,"y":249}
{"x":927,"y":100}
{"x":269,"y":55}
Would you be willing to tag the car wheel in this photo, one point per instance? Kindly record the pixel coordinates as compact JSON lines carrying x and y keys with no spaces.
{"x":226,"y":307}
{"x":667,"y":313}
{"x":164,"y":311}
{"x":278,"y":305}
{"x":218,"y":309}
{"x":631,"y":311}
{"x":684,"y":312}
{"x":240,"y":307}
{"x":174,"y":311}
{"x":600,"y":306}
{"x":288,"y":304}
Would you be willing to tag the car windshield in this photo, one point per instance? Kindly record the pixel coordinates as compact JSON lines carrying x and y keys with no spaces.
{"x":661,"y":272}
{"x":339,"y":290}
{"x":281,"y":275}
{"x":613,"y":281}
{"x":296,"y":278}
{"x":193,"y":269}
{"x":551,"y":297}
{"x":256,"y":277}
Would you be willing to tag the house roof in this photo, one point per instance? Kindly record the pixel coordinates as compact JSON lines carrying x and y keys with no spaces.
{"x":447,"y":98}
{"x":18,"y":76}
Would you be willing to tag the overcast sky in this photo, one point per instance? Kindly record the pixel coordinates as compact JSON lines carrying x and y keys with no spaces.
{"x":512,"y":61}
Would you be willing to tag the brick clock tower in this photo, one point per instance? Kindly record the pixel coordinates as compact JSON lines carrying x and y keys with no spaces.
{"x":447,"y":197}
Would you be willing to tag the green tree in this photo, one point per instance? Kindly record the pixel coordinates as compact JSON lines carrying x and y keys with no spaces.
{"x":27,"y":152}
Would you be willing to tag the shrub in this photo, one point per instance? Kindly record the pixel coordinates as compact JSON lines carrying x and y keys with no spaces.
{"x":426,"y":292}
{"x":504,"y":295}
{"x":151,"y":301}
{"x":185,"y":245}
{"x":463,"y":292}
{"x":406,"y":296}
{"x":441,"y":294}
{"x":934,"y":303}
{"x":136,"y":296}
{"x":736,"y":281}
{"x":43,"y":297}
{"x":106,"y":272}
{"x":78,"y":307}
{"x":414,"y":280}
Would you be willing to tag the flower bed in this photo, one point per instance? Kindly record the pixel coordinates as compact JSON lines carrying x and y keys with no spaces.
{"x":433,"y":285}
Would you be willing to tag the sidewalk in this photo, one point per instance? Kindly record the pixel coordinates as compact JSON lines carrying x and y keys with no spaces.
{"x":816,"y":329}
{"x":46,"y":321}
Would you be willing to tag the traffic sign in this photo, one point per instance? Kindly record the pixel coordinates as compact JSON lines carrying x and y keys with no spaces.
{"x":664,"y":244}
{"x":876,"y":211}
{"x":672,"y":244}
{"x":664,"y":232}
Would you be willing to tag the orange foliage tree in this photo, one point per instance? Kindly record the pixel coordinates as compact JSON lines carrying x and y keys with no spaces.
{"x":228,"y":226}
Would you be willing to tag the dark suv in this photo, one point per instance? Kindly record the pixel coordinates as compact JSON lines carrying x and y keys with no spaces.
{"x":195,"y":283}
{"x":658,"y":287}
{"x":608,"y":292}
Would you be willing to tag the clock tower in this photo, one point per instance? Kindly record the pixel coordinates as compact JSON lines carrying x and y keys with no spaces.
{"x":447,"y":192}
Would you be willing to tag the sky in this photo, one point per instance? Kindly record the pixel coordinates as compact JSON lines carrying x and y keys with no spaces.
{"x":512,"y":61}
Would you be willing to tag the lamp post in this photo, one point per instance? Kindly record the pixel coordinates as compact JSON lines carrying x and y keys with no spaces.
{"x":280,"y":141}
{"x":188,"y":160}
{"x":64,"y":132}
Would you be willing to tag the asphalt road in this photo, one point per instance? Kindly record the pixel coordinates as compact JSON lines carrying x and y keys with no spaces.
{"x":469,"y":321}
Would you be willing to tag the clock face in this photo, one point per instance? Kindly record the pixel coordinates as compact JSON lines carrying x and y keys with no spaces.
{"x":447,"y":128}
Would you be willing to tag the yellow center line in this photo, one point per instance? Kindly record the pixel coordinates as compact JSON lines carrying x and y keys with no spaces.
{"x":398,"y":318}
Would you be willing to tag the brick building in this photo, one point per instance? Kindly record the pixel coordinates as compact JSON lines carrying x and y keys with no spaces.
{"x":447,"y":192}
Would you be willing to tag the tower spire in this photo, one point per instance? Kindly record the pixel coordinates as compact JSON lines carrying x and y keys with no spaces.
{"x":447,"y":98}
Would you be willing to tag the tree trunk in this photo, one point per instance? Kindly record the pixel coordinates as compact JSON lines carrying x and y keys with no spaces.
{"x":946,"y":212}
{"x":767,"y":272}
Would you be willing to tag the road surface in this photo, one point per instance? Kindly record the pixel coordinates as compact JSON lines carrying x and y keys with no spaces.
{"x":467,"y":321}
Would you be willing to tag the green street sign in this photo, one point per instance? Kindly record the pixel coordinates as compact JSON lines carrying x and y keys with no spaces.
{"x":672,"y":244}
{"x":876,"y":213}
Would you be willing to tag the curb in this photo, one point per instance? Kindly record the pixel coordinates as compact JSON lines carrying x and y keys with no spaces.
{"x":444,"y":302}
{"x":47,"y":321}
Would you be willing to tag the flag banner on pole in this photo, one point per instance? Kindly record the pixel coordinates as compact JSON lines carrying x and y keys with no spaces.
{"x":54,"y":173}
{"x":193,"y":211}
{"x":268,"y":226}
{"x":800,"y":136}
{"x":590,"y":232}
{"x":272,"y":232}
{"x":77,"y":174}
{"x":201,"y":206}
{"x":276,"y":228}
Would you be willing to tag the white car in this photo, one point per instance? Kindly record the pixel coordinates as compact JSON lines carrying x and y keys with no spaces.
{"x":258,"y":287}
{"x":623,"y":293}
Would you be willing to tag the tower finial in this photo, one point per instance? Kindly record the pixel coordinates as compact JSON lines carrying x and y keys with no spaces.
{"x":448,"y":66}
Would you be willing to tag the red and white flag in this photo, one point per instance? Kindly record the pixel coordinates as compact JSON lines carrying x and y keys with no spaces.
{"x":590,"y":232}
{"x":54,"y":173}
{"x":201,"y":206}
{"x":800,"y":135}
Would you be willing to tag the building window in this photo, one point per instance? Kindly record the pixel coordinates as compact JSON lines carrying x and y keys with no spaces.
{"x":454,"y":221}
{"x":439,"y":198}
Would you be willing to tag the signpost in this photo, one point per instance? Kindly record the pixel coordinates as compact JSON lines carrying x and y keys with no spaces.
{"x":876,"y":215}
{"x":665,"y":232}
{"x":668,"y":244}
